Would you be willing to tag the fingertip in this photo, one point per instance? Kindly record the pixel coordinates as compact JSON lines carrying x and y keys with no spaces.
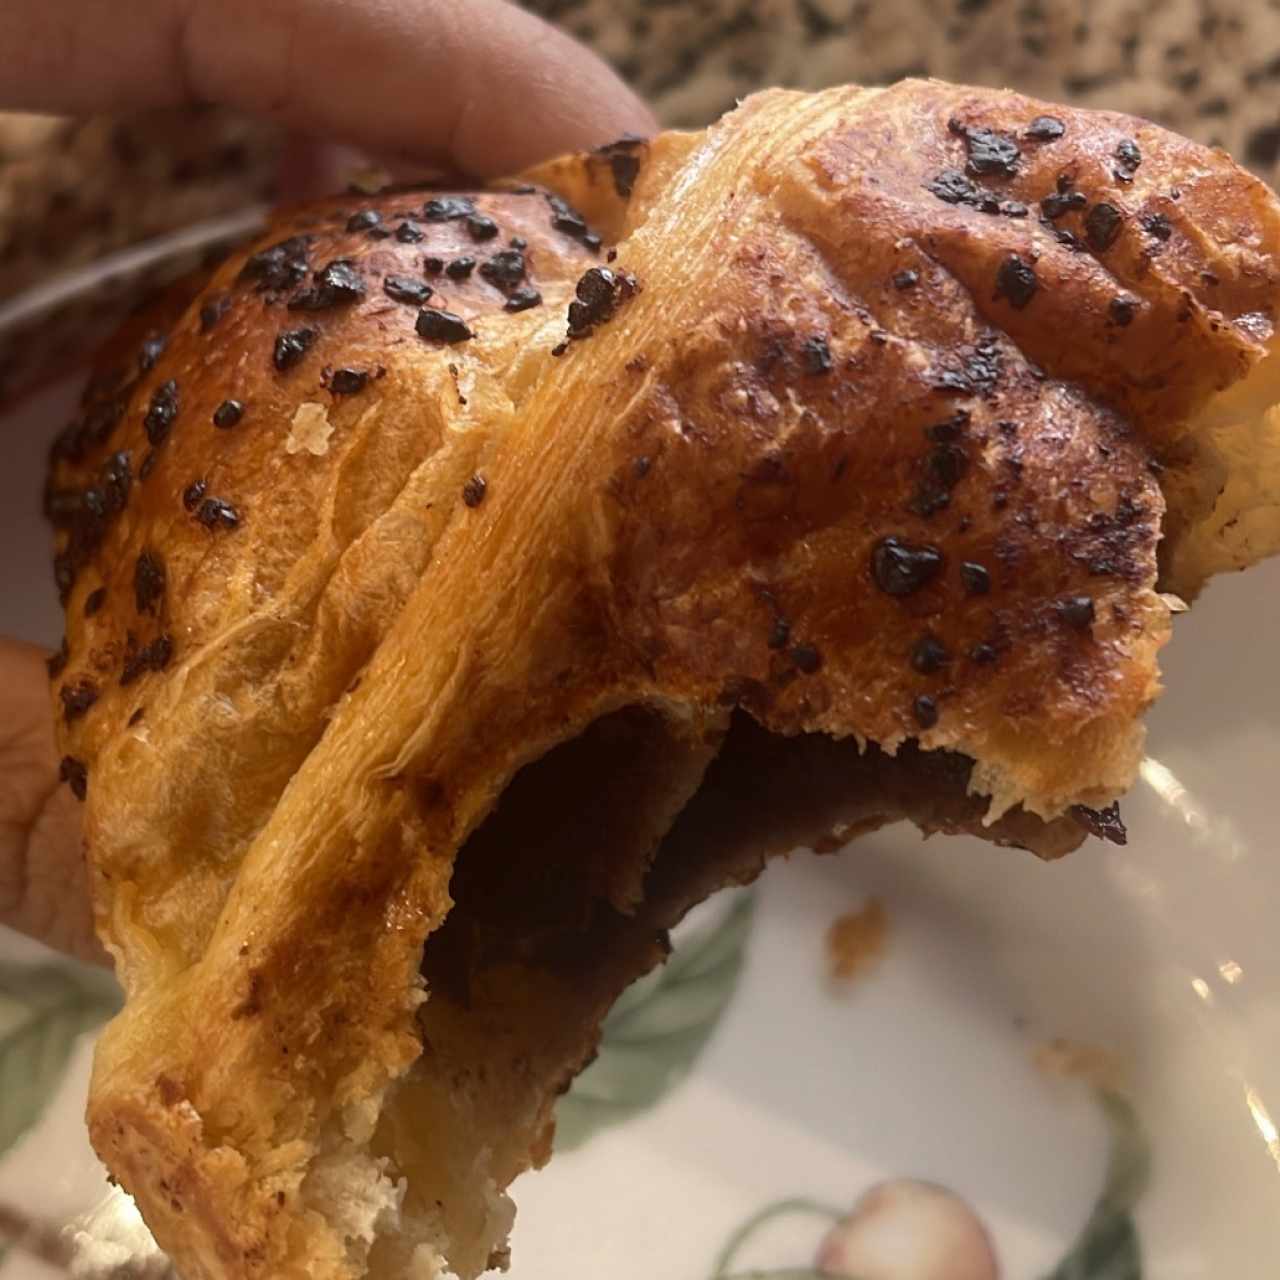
{"x":523,"y":91}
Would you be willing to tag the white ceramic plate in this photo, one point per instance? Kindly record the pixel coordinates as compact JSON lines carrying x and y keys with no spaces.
{"x":743,"y":1080}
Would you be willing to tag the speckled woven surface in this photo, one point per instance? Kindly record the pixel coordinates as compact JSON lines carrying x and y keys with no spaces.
{"x":72,"y":192}
{"x":1208,"y":68}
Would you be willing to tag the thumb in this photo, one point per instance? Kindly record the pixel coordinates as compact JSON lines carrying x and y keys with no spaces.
{"x":43,"y":880}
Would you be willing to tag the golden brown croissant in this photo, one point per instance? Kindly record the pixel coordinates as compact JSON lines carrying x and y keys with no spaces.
{"x":504,"y":571}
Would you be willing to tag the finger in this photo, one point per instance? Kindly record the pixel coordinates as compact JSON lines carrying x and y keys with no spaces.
{"x":308,"y":169}
{"x":43,"y":883}
{"x":476,"y":83}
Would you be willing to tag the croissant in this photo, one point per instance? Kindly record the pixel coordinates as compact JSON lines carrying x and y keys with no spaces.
{"x":460,"y":585}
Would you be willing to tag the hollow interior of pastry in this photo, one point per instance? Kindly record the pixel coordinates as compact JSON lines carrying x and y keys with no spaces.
{"x":563,"y":896}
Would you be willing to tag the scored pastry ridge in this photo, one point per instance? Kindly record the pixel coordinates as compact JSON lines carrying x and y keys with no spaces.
{"x":746,"y":489}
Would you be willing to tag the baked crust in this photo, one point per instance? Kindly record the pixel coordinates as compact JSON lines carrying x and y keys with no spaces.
{"x":867,"y":436}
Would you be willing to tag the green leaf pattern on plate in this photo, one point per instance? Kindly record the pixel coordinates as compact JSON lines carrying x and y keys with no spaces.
{"x":656,"y":1030}
{"x":1107,"y":1248}
{"x":42,"y":1012}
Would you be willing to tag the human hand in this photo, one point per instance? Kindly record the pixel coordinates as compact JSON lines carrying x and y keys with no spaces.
{"x":473,"y":85}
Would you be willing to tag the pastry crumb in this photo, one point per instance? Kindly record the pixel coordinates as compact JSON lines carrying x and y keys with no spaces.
{"x":856,"y":940}
{"x":1076,"y":1060}
{"x":310,"y":430}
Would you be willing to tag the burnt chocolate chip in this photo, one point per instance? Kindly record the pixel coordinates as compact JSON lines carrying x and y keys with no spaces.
{"x":952,"y":187}
{"x":567,"y":220}
{"x":816,"y":355}
{"x":560,"y":348}
{"x":1077,"y":612}
{"x":433,"y":266}
{"x":1122,"y":310}
{"x":215,"y":513}
{"x":154,"y":656}
{"x":976,"y":578}
{"x":407,"y":289}
{"x":213,"y":311}
{"x":949,"y":429}
{"x":441,"y":326}
{"x":597,"y":295}
{"x":1103,"y":823}
{"x":407,"y":233}
{"x":363,"y":219}
{"x":901,"y":568}
{"x":77,"y":699}
{"x":944,"y":467}
{"x":481,"y":228}
{"x":336,"y":284}
{"x":1046,"y":129}
{"x":116,"y":480}
{"x":1157,"y":225}
{"x":929,"y":655}
{"x":1128,"y":157}
{"x":1102,"y":226}
{"x":446,"y":208}
{"x":291,"y":346}
{"x":94,"y":502}
{"x":1016,"y":281}
{"x":56,"y":663}
{"x":523,"y":299}
{"x":347,"y":382}
{"x":281,"y":266}
{"x":805,"y":658}
{"x":75,"y":775}
{"x":779,"y":634}
{"x":94,"y":601}
{"x":227,"y":414}
{"x":1013,"y":209}
{"x":925,"y":710}
{"x":980,"y":373}
{"x":905,"y":279}
{"x":989,"y":152}
{"x":460,"y":268}
{"x":504,"y":270}
{"x":161,"y":412}
{"x":193,"y":493}
{"x":152,"y":349}
{"x":1060,"y":202}
{"x":982,"y":654}
{"x":148,"y":582}
{"x":624,"y":164}
{"x":474,"y":490}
